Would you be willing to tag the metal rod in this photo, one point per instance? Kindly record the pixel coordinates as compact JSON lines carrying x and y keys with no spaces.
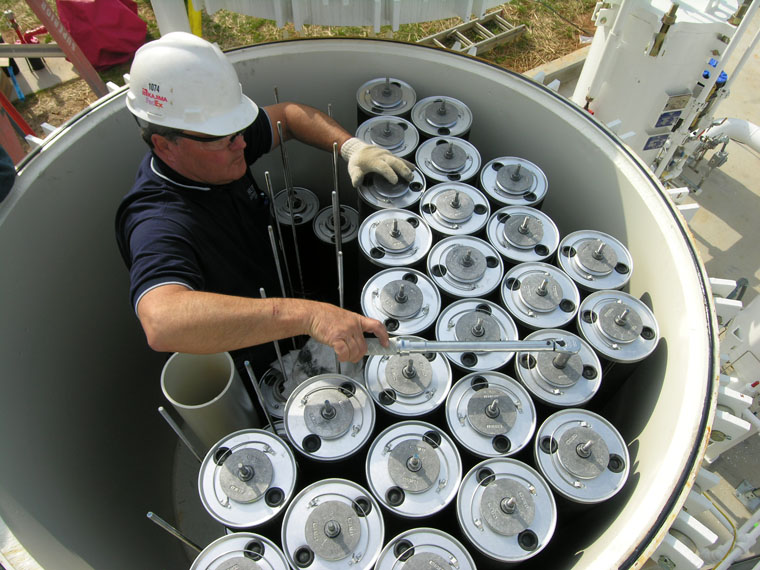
{"x":336,"y":224}
{"x":341,"y":284}
{"x":405,"y":346}
{"x":178,"y":431}
{"x":289,"y":189}
{"x":173,"y":531}
{"x":270,"y":192}
{"x":277,"y":344}
{"x":279,"y":269}
{"x":259,"y":395}
{"x":276,"y":95}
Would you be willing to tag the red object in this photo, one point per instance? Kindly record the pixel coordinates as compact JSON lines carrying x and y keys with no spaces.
{"x":107,"y":31}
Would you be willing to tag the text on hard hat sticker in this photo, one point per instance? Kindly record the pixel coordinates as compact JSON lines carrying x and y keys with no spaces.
{"x":153,"y":98}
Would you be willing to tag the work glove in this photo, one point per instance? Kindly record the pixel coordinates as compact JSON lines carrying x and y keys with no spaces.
{"x":364,"y":158}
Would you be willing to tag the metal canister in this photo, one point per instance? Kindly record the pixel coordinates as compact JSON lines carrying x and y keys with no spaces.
{"x":595,"y":260}
{"x":413,"y":469}
{"x":411,"y":385}
{"x":465,"y":266}
{"x":582,"y":456}
{"x":275,"y":390}
{"x":448,"y":159}
{"x":513,"y":181}
{"x":397,"y":135}
{"x":455,"y":208}
{"x":324,"y":229}
{"x":506,"y":510}
{"x":394,"y":238}
{"x":376,"y":193}
{"x":523,"y":234}
{"x":618,"y":325}
{"x":490,"y":414}
{"x":384,"y":96}
{"x":329,"y":417}
{"x":560,"y":380}
{"x":540,"y":295}
{"x":295,"y":212}
{"x":241,"y":551}
{"x":406,"y":300}
{"x":442,"y":116}
{"x":474,"y":320}
{"x":247,"y":478}
{"x":424,"y":548}
{"x":333,"y":523}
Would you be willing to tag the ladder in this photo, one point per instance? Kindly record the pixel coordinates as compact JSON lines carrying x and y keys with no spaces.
{"x":476,"y":36}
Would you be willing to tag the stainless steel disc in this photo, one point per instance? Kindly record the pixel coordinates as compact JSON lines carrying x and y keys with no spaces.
{"x":442,"y":116}
{"x":409,"y":375}
{"x":395,"y":235}
{"x":414,"y":465}
{"x":477,"y":326}
{"x":594,"y":256}
{"x":401,"y":299}
{"x":491,"y":411}
{"x":541,"y":292}
{"x":449,"y":157}
{"x":387,"y":134}
{"x":331,"y":415}
{"x":465,"y":263}
{"x":333,"y":530}
{"x":583,"y":452}
{"x":620,"y":322}
{"x":454,"y":205}
{"x":507,"y":507}
{"x":246,"y":475}
{"x":523,"y":231}
{"x":596,"y":261}
{"x":514,"y":180}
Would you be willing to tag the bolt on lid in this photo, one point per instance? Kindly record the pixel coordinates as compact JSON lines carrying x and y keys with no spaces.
{"x":455,"y":208}
{"x":522,"y":234}
{"x":581,"y":454}
{"x":561,"y":380}
{"x":442,"y":116}
{"x":413,"y":469}
{"x":618,"y":325}
{"x":490,"y":414}
{"x":324,"y":224}
{"x":241,"y":551}
{"x":247,"y":478}
{"x":333,"y":522}
{"x":506,"y":509}
{"x":448,"y":159}
{"x":513,"y":181}
{"x":408,"y":385}
{"x":386,"y":96}
{"x":595,"y":260}
{"x":329,"y":417}
{"x":394,"y":237}
{"x":376,"y":191}
{"x":474,"y":320}
{"x":406,"y":300}
{"x":465,"y":266}
{"x":423,"y":549}
{"x":397,"y":135}
{"x":540,"y":295}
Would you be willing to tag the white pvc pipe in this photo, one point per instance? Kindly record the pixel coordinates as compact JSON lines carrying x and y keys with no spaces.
{"x":745,"y":541}
{"x":737,"y":130}
{"x":206,"y":390}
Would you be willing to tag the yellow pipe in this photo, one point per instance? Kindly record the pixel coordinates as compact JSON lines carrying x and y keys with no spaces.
{"x":194,"y":17}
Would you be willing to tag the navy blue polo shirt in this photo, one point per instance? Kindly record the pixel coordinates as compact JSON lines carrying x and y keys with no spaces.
{"x":172,"y":230}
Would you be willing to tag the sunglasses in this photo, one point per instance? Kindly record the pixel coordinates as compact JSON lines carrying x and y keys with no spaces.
{"x":220,"y":142}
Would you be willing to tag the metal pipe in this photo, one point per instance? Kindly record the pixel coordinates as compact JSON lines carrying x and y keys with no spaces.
{"x":173,"y":531}
{"x":270,"y":193}
{"x":405,"y":346}
{"x":289,"y":190}
{"x":277,"y":265}
{"x":277,"y":344}
{"x":179,"y":432}
{"x":259,"y":395}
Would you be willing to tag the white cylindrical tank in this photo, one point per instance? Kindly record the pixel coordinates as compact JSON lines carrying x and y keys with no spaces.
{"x":83,"y":453}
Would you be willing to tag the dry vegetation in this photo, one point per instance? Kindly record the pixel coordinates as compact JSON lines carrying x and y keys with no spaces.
{"x":554,"y":28}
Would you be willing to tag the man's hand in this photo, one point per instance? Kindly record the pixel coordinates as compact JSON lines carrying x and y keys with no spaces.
{"x":344,"y":331}
{"x":364,"y":158}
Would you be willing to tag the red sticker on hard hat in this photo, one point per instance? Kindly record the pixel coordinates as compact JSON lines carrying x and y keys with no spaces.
{"x":151,"y":98}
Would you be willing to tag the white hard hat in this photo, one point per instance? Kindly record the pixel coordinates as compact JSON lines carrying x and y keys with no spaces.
{"x":182,"y":81}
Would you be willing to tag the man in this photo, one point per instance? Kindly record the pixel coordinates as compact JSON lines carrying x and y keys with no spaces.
{"x":193,"y":229}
